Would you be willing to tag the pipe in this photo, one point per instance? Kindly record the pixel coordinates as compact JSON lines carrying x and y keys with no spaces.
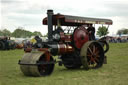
{"x":49,"y":21}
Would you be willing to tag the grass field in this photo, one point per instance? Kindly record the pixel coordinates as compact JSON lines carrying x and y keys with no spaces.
{"x":113,"y":73}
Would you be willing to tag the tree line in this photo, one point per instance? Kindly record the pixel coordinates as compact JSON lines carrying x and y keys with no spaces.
{"x":122,"y":31}
{"x":22,"y":33}
{"x":19,"y":33}
{"x":102,"y":31}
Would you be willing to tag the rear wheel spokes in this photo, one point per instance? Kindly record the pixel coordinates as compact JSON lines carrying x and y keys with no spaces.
{"x":93,"y":55}
{"x":90,"y":50}
{"x":91,"y":60}
{"x":94,"y":49}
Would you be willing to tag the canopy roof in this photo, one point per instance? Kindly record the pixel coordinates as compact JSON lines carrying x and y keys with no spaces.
{"x":68,"y":20}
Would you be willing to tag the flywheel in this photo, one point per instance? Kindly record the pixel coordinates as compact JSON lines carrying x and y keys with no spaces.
{"x":80,"y":36}
{"x":92,"y":55}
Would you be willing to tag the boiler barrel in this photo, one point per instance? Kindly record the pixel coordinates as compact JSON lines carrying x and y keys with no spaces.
{"x":60,"y":49}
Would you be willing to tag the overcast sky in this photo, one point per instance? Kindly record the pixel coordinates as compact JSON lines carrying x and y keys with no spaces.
{"x":29,"y":13}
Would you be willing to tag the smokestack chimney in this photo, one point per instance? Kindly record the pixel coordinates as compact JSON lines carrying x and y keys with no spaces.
{"x":49,"y":21}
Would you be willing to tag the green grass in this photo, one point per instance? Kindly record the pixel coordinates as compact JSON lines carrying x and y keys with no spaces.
{"x":113,"y":73}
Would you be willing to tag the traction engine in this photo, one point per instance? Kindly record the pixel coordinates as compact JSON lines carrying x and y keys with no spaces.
{"x":6,"y":43}
{"x":75,"y":49}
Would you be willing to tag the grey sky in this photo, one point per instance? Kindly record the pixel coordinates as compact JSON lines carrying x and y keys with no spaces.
{"x":29,"y":13}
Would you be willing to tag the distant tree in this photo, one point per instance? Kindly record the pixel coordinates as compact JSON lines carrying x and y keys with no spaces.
{"x":102,"y":31}
{"x":27,"y":33}
{"x":1,"y":33}
{"x":20,"y":32}
{"x":122,"y":31}
{"x":5,"y":32}
{"x":36,"y":33}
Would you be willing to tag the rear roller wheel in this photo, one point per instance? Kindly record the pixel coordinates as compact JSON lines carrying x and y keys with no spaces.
{"x":92,"y":55}
{"x":36,"y":64}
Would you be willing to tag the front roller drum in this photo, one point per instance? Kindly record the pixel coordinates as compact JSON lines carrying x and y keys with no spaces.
{"x":36,"y":64}
{"x":92,"y":55}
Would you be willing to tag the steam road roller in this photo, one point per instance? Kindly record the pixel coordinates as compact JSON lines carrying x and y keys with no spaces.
{"x":72,"y":39}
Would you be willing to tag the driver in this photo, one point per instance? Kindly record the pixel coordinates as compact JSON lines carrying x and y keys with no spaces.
{"x":91,"y":31}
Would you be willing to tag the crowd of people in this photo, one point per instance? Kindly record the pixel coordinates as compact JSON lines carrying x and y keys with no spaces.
{"x":117,"y":39}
